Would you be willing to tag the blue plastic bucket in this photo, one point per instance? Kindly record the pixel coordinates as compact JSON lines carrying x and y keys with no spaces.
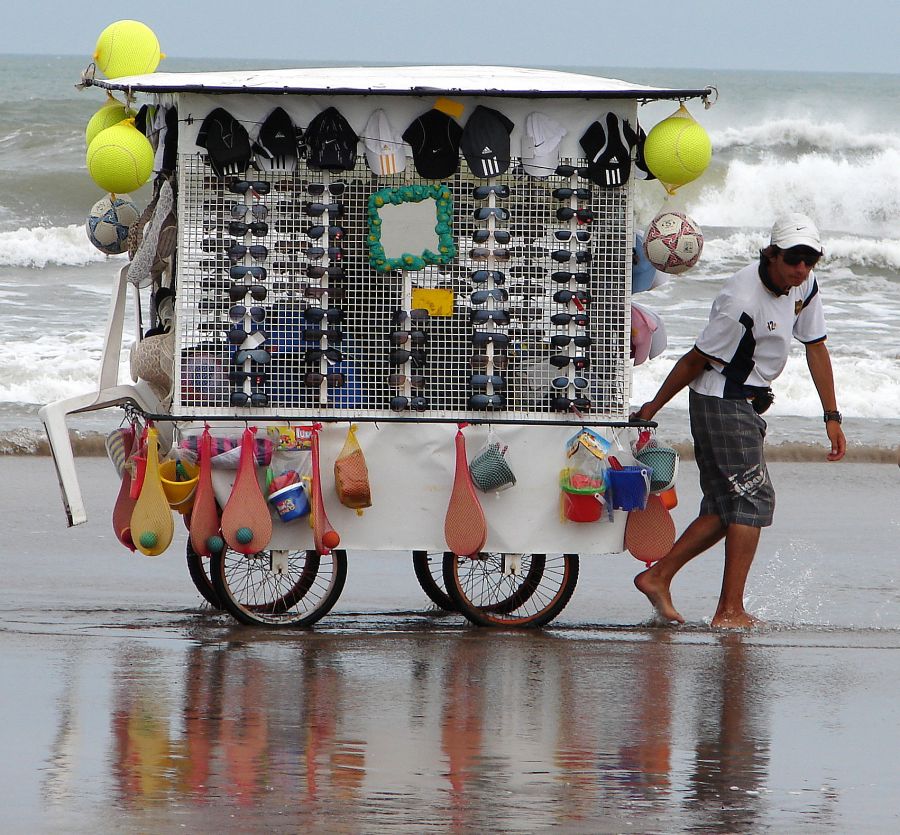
{"x":290,"y":502}
{"x":630,"y":487}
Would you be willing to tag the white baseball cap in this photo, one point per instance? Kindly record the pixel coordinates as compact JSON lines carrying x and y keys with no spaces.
{"x":795,"y":229}
{"x":384,"y":148}
{"x":540,"y":144}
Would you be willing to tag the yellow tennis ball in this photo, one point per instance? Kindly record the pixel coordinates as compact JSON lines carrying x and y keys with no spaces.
{"x":110,"y":114}
{"x":127,"y":47}
{"x":678,"y":150}
{"x":120,"y":158}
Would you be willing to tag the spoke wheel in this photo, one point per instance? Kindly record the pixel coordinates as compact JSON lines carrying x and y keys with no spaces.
{"x":429,"y":568}
{"x":198,"y":568}
{"x":496,"y":589}
{"x":256,"y":594}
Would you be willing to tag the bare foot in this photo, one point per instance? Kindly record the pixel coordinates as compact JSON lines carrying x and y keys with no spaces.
{"x":658,"y":595}
{"x":734,"y":620}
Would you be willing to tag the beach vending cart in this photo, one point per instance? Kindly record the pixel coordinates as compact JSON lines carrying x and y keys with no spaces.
{"x":382,"y":308}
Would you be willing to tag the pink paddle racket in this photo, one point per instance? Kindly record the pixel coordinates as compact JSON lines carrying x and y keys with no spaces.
{"x":124,"y":506}
{"x":246,"y":520}
{"x":324,"y":535}
{"x":205,"y":514}
{"x":465,"y":528}
{"x":650,"y":533}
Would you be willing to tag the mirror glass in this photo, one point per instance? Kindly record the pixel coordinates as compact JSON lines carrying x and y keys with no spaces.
{"x":408,"y":227}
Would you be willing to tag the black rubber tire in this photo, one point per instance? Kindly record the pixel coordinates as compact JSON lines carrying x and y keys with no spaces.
{"x":429,"y":568}
{"x":487,"y":598}
{"x":198,"y":568}
{"x":253,"y":595}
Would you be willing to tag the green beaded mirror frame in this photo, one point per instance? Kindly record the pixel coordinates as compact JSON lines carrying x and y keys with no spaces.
{"x":446,"y":249}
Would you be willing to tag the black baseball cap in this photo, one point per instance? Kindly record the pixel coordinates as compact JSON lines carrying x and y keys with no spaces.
{"x":434,"y":138}
{"x":485,"y":142}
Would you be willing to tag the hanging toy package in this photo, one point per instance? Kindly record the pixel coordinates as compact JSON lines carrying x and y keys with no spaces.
{"x":583,"y":482}
{"x":489,"y":468}
{"x":351,"y":475}
{"x":288,"y":476}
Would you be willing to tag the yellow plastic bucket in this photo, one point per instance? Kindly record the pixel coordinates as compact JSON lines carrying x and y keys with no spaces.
{"x":179,"y":494}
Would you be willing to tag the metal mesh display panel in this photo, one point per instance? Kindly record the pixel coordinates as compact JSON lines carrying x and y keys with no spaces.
{"x":300,"y":325}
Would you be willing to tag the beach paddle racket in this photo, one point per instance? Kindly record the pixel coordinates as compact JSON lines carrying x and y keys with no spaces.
{"x":650,"y":533}
{"x":124,"y":506}
{"x":205,"y":513}
{"x":152,"y":525}
{"x":465,"y":528}
{"x":246,"y":520}
{"x":324,"y":535}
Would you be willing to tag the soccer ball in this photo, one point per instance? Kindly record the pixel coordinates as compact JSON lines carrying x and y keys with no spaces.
{"x":109,"y":221}
{"x":673,"y":242}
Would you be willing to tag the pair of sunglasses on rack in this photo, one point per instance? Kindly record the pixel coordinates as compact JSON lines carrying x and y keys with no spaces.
{"x":565,"y":170}
{"x":417,"y":403}
{"x":582,"y":235}
{"x":316,"y":378}
{"x":566,"y":296}
{"x":258,"y":355}
{"x":579,"y":319}
{"x":480,"y":381}
{"x":486,"y":211}
{"x":566,"y":277}
{"x":239,"y":271}
{"x":314,"y":253}
{"x":400,"y":356}
{"x":501,"y":236}
{"x":332,"y":271}
{"x":242,"y":398}
{"x":417,"y":314}
{"x":582,"y":215}
{"x":318,"y":209}
{"x":484,"y":276}
{"x":237,"y":336}
{"x":318,"y":314}
{"x":335,"y":294}
{"x":500,"y":317}
{"x":483,"y":192}
{"x":566,"y":404}
{"x":497,"y":294}
{"x":255,"y":378}
{"x":416,"y":381}
{"x":257,"y":187}
{"x":237,"y":291}
{"x":568,"y":193}
{"x":482,"y":338}
{"x":413,"y":337}
{"x":334,"y":189}
{"x":579,"y":363}
{"x":258,"y":252}
{"x":499,"y":361}
{"x":240,"y":211}
{"x":487,"y":401}
{"x":317,"y":231}
{"x":240,"y":312}
{"x":331,"y":355}
{"x":581,"y":256}
{"x":240,"y":228}
{"x":565,"y":382}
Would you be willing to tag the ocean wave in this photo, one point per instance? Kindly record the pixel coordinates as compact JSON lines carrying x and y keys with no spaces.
{"x":803,"y":136}
{"x":39,"y":246}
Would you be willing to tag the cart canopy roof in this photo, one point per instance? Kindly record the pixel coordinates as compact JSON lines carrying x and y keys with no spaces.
{"x":458,"y":80}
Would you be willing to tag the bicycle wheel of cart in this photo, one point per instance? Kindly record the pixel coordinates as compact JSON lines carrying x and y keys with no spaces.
{"x":429,"y":568}
{"x":198,"y":568}
{"x":497,"y":589}
{"x":279,"y":588}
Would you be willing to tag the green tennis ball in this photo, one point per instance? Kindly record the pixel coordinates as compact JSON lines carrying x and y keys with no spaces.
{"x":127,"y":47}
{"x":244,"y":536}
{"x":110,"y":114}
{"x":120,"y":158}
{"x":678,"y":149}
{"x":148,"y":539}
{"x":215,"y":544}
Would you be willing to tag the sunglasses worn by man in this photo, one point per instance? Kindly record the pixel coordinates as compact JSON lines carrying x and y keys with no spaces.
{"x":796,"y":254}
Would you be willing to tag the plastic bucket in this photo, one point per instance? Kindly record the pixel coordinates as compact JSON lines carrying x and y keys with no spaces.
{"x":630,"y":487}
{"x":582,"y":507}
{"x":178,"y":492}
{"x":290,"y":502}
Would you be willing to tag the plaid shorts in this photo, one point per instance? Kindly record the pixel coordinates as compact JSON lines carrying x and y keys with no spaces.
{"x":728,"y":446}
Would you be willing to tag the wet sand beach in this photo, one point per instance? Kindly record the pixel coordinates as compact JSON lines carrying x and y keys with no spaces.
{"x":128,"y":706}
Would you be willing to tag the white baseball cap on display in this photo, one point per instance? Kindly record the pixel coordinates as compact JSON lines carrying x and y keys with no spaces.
{"x":384,"y":148}
{"x":795,"y":229}
{"x":540,"y":144}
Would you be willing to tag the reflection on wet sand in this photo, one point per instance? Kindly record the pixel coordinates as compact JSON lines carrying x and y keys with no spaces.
{"x":453,"y":732}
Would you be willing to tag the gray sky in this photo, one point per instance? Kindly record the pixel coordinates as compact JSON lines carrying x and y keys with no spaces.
{"x":797,"y":35}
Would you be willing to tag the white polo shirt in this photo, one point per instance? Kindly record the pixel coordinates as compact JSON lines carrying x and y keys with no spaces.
{"x":748,"y":336}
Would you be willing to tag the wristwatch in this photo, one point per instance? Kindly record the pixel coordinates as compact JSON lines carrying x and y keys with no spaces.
{"x":836,"y":416}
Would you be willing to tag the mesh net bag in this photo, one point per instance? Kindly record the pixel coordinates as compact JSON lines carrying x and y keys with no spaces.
{"x":351,"y":475}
